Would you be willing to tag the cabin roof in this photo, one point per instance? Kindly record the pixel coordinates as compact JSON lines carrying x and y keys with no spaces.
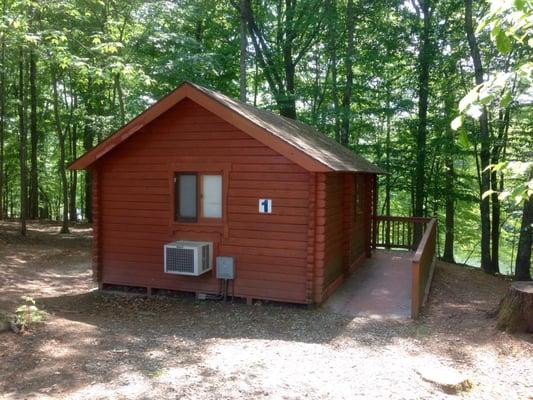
{"x":297,"y":141}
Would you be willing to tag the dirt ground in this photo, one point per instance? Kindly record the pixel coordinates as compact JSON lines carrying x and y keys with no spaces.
{"x":110,"y":346}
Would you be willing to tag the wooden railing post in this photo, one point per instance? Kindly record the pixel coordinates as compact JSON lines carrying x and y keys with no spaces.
{"x":422,"y":268}
{"x":396,"y":232}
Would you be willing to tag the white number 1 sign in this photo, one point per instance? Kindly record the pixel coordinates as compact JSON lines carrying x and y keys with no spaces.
{"x":265,"y":206}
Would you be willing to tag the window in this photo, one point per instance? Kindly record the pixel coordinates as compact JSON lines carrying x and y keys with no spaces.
{"x":197,"y":196}
{"x":212,"y":196}
{"x":359,"y":187}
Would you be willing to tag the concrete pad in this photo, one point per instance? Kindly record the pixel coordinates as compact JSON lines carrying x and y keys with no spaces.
{"x":380,"y":288}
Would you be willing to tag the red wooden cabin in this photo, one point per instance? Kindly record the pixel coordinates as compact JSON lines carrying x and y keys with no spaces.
{"x":195,"y":165}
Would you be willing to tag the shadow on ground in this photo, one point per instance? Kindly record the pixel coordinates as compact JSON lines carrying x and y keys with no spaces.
{"x":97,"y":344}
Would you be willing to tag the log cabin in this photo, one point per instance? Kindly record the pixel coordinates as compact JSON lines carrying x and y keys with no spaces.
{"x":200,"y":186}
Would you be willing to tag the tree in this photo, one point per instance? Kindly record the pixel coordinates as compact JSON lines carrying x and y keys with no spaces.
{"x":62,"y":151}
{"x":525,"y":243}
{"x":347,"y":95}
{"x":22,"y":144}
{"x":293,"y":34}
{"x":33,"y":209}
{"x":424,"y":63}
{"x":484,"y":154}
{"x":243,"y":46}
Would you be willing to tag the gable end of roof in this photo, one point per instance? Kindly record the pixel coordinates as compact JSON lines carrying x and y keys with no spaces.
{"x":314,"y":150}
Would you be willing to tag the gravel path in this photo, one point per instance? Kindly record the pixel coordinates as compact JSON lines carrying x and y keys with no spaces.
{"x":101,"y":345}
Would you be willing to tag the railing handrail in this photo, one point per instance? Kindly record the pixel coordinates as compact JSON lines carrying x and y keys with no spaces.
{"x":395,"y":232}
{"x":425,"y":238}
{"x":422,"y":267}
{"x":403,"y":219}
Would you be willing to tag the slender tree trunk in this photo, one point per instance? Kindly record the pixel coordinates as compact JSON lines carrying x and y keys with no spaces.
{"x":449,"y":180}
{"x":74,"y":177}
{"x":348,"y":62}
{"x":243,"y":46}
{"x":62,"y":169}
{"x":33,"y":209}
{"x":503,"y":126}
{"x":331,"y":13}
{"x":495,"y":224}
{"x":424,"y":62}
{"x":449,"y":188}
{"x":88,"y":138}
{"x":484,"y":203}
{"x":525,"y":242}
{"x":288,"y":105}
{"x":120,"y":96}
{"x":22,"y":146}
{"x":256,"y":83}
{"x":2,"y":114}
{"x":387,"y":159}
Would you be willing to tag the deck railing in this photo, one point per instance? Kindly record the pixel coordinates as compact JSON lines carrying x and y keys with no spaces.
{"x":398,"y":232}
{"x":401,"y":233}
{"x":422,"y":267}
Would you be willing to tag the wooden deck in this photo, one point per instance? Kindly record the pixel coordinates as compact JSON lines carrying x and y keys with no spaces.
{"x":380,"y":288}
{"x":393,"y":283}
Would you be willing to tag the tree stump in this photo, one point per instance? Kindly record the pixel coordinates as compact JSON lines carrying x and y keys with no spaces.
{"x":515,"y":313}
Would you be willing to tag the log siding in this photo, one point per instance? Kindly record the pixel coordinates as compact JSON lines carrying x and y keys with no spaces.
{"x":271,"y":251}
{"x":299,"y":253}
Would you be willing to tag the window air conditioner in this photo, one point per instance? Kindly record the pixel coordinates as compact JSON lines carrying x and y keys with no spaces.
{"x":188,"y":257}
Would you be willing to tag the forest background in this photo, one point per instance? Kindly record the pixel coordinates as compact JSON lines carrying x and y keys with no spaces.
{"x":391,"y":80}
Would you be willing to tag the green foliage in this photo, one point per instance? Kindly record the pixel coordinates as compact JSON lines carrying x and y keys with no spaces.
{"x":28,"y":314}
{"x":112,"y":59}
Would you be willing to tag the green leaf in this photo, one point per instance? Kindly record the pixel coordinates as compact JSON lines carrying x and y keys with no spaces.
{"x":499,"y":166}
{"x":484,"y":22}
{"x":506,"y":99}
{"x":463,"y":140}
{"x":520,"y":4}
{"x":495,"y":31}
{"x":457,"y":122}
{"x":503,"y":43}
{"x":485,"y":95}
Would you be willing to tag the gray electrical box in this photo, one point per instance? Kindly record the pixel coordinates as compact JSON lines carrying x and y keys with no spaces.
{"x":225,"y":267}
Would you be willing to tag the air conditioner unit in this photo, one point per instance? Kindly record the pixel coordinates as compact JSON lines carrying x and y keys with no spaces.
{"x":188,"y":258}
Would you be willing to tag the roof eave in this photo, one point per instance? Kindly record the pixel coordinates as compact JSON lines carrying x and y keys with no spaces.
{"x":188,"y":90}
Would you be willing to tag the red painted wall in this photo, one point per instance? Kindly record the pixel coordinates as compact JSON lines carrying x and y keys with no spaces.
{"x":136,"y":209}
{"x":347,"y":214}
{"x":299,"y":253}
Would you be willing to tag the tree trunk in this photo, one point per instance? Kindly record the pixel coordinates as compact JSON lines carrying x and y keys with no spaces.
{"x":449,"y":181}
{"x":74,"y":177}
{"x":22,"y":147}
{"x":387,"y":160}
{"x":424,"y":62}
{"x":62,"y":169}
{"x":243,"y":46}
{"x":271,"y":53}
{"x":288,"y":102}
{"x":495,"y":225}
{"x":348,"y":62}
{"x":514,"y":314}
{"x":2,"y":114}
{"x":33,"y":209}
{"x":449,"y":223}
{"x":503,"y":126}
{"x":484,"y":205}
{"x":88,"y":138}
{"x":525,"y":241}
{"x":120,"y":96}
{"x":331,"y":13}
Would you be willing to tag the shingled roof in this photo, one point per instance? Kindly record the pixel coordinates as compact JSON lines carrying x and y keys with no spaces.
{"x":322,"y":149}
